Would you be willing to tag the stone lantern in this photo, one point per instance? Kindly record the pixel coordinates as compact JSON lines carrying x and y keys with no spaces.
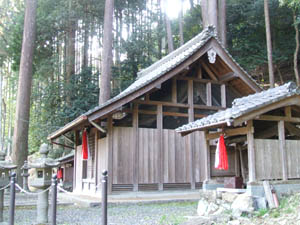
{"x":42,"y":180}
{"x":5,"y":168}
{"x":25,"y":175}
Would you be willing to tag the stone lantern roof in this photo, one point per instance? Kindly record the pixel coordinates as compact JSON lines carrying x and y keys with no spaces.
{"x":43,"y":161}
{"x":5,"y":164}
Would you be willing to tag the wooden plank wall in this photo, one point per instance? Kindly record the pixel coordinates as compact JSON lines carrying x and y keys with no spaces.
{"x":199,"y":167}
{"x":268,"y":161}
{"x":148,"y":162}
{"x":176,"y":158}
{"x":293,"y":158}
{"x":102,"y":157}
{"x":123,"y":155}
{"x":79,"y":168}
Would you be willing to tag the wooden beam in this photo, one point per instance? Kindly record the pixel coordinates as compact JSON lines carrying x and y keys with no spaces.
{"x":65,"y":146}
{"x":202,"y":80}
{"x":146,"y":88}
{"x":236,"y":140}
{"x":288,"y":111}
{"x":242,"y":162}
{"x":251,"y":152}
{"x":227,"y":77}
{"x":208,"y":95}
{"x":234,"y":67}
{"x":135,"y":126}
{"x":191,"y":137}
{"x":237,"y":162}
{"x":68,"y":139}
{"x":209,"y":72}
{"x":101,"y":129}
{"x":282,"y":148}
{"x":223,"y":95}
{"x":174,"y":90}
{"x":159,"y":125}
{"x":293,"y":130}
{"x":228,"y":133}
{"x":179,"y":105}
{"x":294,"y":100}
{"x":206,"y":157}
{"x":199,"y":72}
{"x":279,"y":118}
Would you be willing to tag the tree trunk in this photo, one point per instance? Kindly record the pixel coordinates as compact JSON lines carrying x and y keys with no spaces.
{"x":222,"y":22}
{"x":181,"y":23}
{"x":107,"y":52}
{"x":70,"y":51}
{"x":204,"y":8}
{"x":192,"y":3}
{"x":20,"y":138}
{"x":213,"y":13}
{"x":169,"y":34}
{"x":269,"y":43}
{"x":85,"y":57}
{"x":296,"y":49}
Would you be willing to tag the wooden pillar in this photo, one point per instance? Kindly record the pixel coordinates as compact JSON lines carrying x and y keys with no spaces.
{"x":75,"y":159}
{"x":208,"y":94}
{"x":281,"y":137}
{"x":191,"y":136}
{"x":96,"y":159}
{"x":251,"y":151}
{"x":160,"y":144}
{"x":135,"y":125}
{"x":223,"y":95}
{"x":110,"y":152}
{"x":206,"y":156}
{"x":237,"y":162}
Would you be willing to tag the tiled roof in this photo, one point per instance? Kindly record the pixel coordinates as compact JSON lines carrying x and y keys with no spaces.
{"x":163,"y":66}
{"x":244,"y":105}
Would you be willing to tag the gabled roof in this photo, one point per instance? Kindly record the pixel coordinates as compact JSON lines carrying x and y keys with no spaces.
{"x":152,"y":74}
{"x":242,"y":106}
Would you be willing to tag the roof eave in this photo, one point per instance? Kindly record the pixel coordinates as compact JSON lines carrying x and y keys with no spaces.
{"x":79,"y":120}
{"x":212,"y":125}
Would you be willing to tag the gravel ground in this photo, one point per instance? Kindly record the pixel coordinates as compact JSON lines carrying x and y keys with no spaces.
{"x":140,"y":214}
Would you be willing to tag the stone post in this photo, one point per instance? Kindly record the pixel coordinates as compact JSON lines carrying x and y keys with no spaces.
{"x":25,"y":175}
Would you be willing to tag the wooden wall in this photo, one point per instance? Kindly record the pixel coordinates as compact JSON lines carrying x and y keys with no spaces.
{"x":176,"y":156}
{"x":293,"y":158}
{"x":102,"y":157}
{"x":268,"y":161}
{"x":231,"y":163}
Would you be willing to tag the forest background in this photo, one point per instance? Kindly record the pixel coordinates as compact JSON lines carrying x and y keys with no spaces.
{"x":68,"y":47}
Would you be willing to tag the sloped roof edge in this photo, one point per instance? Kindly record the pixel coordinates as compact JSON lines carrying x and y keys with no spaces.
{"x":242,"y":106}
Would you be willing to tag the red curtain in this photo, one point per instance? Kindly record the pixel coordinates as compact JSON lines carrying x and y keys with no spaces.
{"x":85,"y":147}
{"x":221,"y":155}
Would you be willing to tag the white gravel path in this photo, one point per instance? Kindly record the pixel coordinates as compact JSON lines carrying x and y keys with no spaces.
{"x":131,"y":214}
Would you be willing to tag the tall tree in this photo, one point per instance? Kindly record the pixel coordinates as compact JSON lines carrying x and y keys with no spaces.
{"x":295,"y":6}
{"x":204,"y":9}
{"x":105,"y":88}
{"x":269,"y":43}
{"x":181,"y":23}
{"x":212,"y":13}
{"x":20,"y":138}
{"x":169,"y":32}
{"x":222,"y":22}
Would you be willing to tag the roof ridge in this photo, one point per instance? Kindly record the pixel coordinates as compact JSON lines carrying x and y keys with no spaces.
{"x":205,"y":34}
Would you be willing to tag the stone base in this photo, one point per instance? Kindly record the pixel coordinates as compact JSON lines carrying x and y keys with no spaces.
{"x":281,"y":187}
{"x":211,"y":185}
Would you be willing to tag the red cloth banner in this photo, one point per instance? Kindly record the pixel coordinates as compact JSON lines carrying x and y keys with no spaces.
{"x":85,"y":146}
{"x":221,"y":159}
{"x":59,"y":174}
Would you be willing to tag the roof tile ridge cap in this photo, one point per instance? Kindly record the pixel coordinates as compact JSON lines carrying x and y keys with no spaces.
{"x":204,"y":35}
{"x":228,"y":53}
